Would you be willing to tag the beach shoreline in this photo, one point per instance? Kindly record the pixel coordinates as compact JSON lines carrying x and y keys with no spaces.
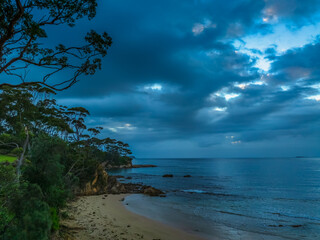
{"x":106,"y":217}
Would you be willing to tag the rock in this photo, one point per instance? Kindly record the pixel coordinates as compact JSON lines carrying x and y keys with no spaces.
{"x":151,"y":191}
{"x":143,"y":166}
{"x":110,"y":166}
{"x":129,"y":165}
{"x":280,"y":225}
{"x":102,"y":183}
{"x":118,"y":188}
{"x":129,"y":178}
{"x":98,"y":185}
{"x":167,"y":175}
{"x":187,"y":176}
{"x":118,"y":176}
{"x":296,"y":226}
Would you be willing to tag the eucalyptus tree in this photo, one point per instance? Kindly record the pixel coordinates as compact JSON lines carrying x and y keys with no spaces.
{"x":23,"y":34}
{"x":23,"y":116}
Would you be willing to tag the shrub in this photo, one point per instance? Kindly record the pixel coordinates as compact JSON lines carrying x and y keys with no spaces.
{"x":54,"y":219}
{"x":16,"y":151}
{"x":32,"y":219}
{"x":46,"y":169}
{"x":8,"y":185}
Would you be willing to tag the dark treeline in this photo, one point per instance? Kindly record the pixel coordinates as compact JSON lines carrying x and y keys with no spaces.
{"x":56,"y":153}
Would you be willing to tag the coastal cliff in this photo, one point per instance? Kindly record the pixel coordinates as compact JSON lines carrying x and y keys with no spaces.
{"x":108,"y":187}
{"x":103,"y":183}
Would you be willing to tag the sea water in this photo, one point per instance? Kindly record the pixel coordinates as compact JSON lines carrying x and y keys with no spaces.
{"x":231,"y":198}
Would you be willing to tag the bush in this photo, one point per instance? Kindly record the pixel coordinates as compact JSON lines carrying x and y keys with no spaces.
{"x":8,"y":185}
{"x":5,"y":218}
{"x":54,"y":219}
{"x":16,"y":151}
{"x":46,"y":169}
{"x":32,"y":219}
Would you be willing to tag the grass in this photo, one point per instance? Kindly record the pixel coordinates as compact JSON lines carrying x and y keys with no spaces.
{"x":4,"y":158}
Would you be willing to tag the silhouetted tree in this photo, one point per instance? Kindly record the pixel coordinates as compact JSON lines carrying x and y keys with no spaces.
{"x":23,"y":26}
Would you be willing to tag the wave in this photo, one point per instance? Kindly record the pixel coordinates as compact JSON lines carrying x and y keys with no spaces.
{"x":217,"y":194}
{"x":194,"y":191}
{"x":295,"y":216}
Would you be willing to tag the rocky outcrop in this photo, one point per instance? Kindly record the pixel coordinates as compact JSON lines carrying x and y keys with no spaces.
{"x":151,"y":191}
{"x":118,"y":176}
{"x":129,"y":165}
{"x":110,"y":166}
{"x":143,"y":166}
{"x":167,"y":175}
{"x":187,"y":176}
{"x":103,"y":183}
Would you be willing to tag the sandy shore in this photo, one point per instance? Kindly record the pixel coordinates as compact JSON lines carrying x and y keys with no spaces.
{"x":105,"y":217}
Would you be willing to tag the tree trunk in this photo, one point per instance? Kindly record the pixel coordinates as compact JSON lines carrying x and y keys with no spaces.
{"x":21,"y":158}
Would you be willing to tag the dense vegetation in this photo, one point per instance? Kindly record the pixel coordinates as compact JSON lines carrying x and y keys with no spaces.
{"x":46,"y":149}
{"x":56,"y":153}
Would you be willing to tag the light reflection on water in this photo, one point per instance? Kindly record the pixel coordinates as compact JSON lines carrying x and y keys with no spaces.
{"x":272,"y":196}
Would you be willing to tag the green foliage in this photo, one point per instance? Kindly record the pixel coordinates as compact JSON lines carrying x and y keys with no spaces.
{"x":57,"y":151}
{"x":22,"y":107}
{"x":54,"y":219}
{"x":32,"y":215}
{"x":5,"y":158}
{"x":8,"y":185}
{"x":61,"y":154}
{"x":46,"y":168}
{"x":23,"y":213}
{"x":124,"y":160}
{"x":16,"y":151}
{"x":5,"y":218}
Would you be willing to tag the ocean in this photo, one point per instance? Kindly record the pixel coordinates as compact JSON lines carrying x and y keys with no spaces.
{"x":245,"y":198}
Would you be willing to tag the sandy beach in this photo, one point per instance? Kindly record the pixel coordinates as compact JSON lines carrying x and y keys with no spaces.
{"x":105,"y":217}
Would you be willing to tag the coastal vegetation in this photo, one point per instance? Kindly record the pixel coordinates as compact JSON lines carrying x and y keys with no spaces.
{"x":47,"y":153}
{"x":4,"y":158}
{"x":46,"y":150}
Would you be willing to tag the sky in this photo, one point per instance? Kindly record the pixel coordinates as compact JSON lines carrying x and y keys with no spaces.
{"x":200,"y":78}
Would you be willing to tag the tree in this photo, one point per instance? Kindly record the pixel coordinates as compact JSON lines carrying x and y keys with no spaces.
{"x":23,"y":25}
{"x":24,"y":113}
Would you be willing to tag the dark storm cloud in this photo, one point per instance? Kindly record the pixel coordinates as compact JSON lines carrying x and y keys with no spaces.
{"x":300,"y":63}
{"x":170,"y":60}
{"x":295,"y":10}
{"x":150,"y":39}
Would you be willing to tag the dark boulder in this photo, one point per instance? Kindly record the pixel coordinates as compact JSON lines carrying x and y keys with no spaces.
{"x":103,"y":183}
{"x":151,"y":191}
{"x":143,"y":166}
{"x":167,"y":175}
{"x":118,"y":176}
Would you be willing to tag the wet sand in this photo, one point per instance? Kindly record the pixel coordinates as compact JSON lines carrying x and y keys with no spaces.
{"x":105,"y":217}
